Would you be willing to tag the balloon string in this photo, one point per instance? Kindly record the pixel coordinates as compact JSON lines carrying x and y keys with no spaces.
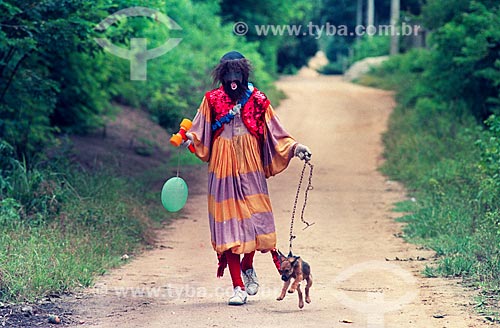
{"x":178,"y":160}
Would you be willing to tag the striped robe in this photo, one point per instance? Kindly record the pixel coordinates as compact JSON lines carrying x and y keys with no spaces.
{"x":239,"y":207}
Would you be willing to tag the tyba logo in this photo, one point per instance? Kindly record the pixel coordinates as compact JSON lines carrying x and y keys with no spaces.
{"x":138,"y":54}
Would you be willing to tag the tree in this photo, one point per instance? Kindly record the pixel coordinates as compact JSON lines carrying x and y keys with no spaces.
{"x":41,"y":46}
{"x":466,"y":53}
{"x":359,"y":13}
{"x":395,"y":12}
{"x":370,"y":15}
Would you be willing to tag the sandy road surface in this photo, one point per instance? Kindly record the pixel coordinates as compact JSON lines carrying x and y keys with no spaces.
{"x":174,"y":285}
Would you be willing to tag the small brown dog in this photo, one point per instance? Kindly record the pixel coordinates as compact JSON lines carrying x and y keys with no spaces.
{"x":294,"y":267}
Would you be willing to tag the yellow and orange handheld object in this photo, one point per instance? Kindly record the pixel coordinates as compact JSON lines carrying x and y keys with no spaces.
{"x":177,"y":139}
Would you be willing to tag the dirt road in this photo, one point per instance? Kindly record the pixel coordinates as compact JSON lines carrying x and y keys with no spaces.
{"x":175,"y":285}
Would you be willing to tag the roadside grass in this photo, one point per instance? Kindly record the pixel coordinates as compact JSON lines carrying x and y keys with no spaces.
{"x":40,"y":261}
{"x":60,"y":226}
{"x":183,"y":158}
{"x":450,"y":165}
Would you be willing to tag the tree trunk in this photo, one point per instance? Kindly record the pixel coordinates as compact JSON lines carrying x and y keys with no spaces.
{"x":359,"y":13}
{"x":370,"y":17}
{"x":395,"y":9}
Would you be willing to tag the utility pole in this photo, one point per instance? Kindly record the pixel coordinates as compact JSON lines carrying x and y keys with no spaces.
{"x":395,"y":10}
{"x":370,"y":18}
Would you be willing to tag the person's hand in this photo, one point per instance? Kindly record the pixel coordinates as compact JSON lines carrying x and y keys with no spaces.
{"x":303,"y":152}
{"x":187,"y":143}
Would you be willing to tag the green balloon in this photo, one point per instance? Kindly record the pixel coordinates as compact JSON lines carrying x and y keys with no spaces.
{"x":174,"y":194}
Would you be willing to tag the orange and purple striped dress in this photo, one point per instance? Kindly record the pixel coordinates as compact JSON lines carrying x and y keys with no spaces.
{"x":240,"y":160}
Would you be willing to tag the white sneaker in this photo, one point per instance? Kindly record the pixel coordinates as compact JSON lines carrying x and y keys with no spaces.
{"x":239,"y":297}
{"x":251,"y":282}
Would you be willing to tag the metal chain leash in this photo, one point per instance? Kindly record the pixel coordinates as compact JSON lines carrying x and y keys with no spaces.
{"x":309,"y":187}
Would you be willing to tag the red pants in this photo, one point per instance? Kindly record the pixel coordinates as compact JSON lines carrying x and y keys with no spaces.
{"x":235,"y":267}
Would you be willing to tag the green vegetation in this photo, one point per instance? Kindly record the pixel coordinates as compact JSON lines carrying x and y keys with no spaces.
{"x":62,"y":225}
{"x":370,"y":47}
{"x":444,"y":142}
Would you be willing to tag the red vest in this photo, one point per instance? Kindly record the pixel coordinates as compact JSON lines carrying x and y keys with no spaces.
{"x":252,"y":114}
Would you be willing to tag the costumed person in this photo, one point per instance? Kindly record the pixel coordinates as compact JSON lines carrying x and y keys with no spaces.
{"x":238,"y":133}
